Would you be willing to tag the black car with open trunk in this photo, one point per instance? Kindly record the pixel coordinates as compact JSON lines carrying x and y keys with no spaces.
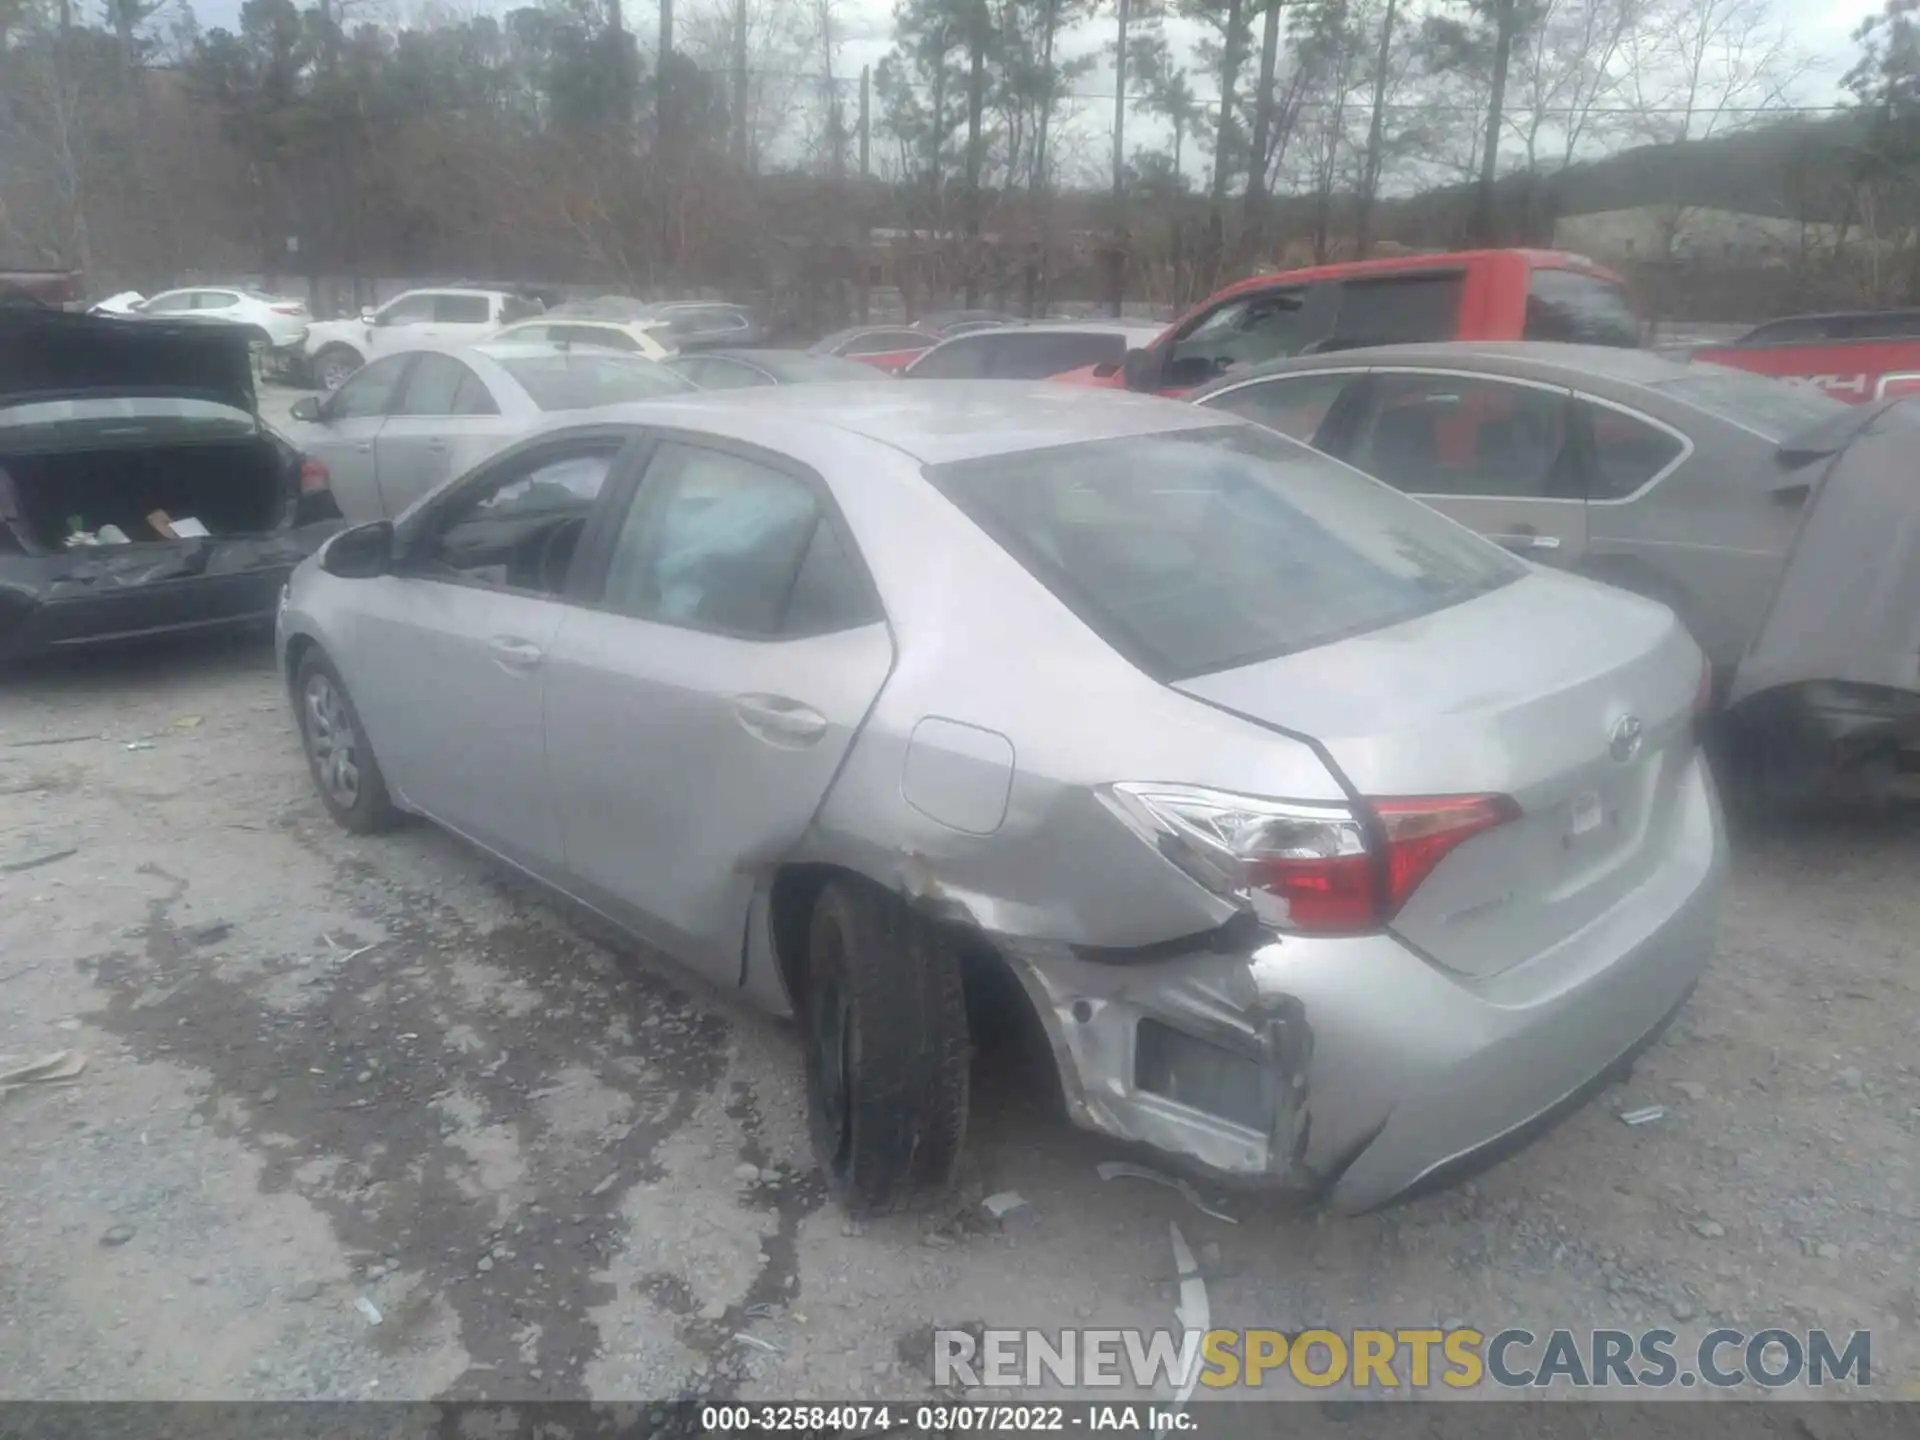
{"x":140,"y":493}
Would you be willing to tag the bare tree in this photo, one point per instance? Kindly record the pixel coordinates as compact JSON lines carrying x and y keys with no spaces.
{"x":1693,"y":68}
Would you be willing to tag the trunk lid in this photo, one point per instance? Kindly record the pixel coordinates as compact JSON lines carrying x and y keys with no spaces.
{"x":1535,"y":691}
{"x":50,"y":354}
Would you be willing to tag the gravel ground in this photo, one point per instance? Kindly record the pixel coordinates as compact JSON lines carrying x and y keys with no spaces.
{"x":330,"y":1079}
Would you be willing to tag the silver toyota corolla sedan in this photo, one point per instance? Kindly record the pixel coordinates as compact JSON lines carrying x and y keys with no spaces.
{"x":410,"y":420}
{"x":1331,"y":845}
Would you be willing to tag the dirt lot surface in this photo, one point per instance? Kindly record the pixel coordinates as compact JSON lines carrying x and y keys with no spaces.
{"x":330,"y":1080}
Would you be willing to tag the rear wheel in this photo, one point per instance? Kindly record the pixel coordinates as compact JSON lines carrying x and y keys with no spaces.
{"x":333,"y":365}
{"x":887,"y":1049}
{"x":344,"y":770}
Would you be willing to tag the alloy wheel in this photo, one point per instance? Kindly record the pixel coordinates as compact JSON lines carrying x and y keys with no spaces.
{"x":330,"y":742}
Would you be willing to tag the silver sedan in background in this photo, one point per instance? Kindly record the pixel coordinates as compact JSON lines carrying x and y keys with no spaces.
{"x":411,"y":420}
{"x":1331,"y":846}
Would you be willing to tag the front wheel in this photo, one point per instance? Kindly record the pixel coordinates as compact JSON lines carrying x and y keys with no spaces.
{"x":887,"y":1049}
{"x":344,"y":770}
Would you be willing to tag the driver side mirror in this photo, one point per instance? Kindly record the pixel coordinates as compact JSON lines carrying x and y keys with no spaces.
{"x":370,"y":317}
{"x":362,"y":553}
{"x":1141,"y":369}
{"x":307,"y":408}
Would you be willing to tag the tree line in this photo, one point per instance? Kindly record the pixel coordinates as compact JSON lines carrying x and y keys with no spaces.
{"x":1027,"y":150}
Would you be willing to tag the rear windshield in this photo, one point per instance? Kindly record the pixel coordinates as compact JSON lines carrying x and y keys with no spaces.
{"x":1771,"y":408}
{"x":580,"y":382}
{"x":1579,"y":309}
{"x":1201,"y":550}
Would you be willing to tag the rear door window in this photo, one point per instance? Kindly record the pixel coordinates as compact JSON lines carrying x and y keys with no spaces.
{"x":1431,"y":434}
{"x":1295,"y":405}
{"x":1400,"y":309}
{"x":462,"y":309}
{"x":715,"y":541}
{"x":1193,"y":551}
{"x":1627,"y":451}
{"x":1581,"y":309}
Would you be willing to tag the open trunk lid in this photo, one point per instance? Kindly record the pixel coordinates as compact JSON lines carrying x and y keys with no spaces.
{"x":1573,"y":699}
{"x":50,"y":354}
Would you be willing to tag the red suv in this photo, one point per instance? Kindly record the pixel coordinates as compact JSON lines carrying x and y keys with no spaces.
{"x":1464,"y":295}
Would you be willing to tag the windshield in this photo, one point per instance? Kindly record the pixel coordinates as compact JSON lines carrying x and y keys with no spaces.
{"x":802,"y":369}
{"x":120,"y":419}
{"x":1772,"y":408}
{"x":1201,"y":550}
{"x":580,"y":382}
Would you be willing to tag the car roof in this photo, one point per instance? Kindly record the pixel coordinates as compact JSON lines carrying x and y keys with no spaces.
{"x":1422,"y":260}
{"x":934,"y":424}
{"x":1537,"y":359}
{"x":1142,"y":334}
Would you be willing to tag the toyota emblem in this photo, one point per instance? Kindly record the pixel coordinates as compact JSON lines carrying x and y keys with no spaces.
{"x":1624,"y":743}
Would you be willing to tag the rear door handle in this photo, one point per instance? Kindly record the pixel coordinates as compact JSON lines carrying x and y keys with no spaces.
{"x":780,"y":721}
{"x":516,"y":654}
{"x":1527,"y":540}
{"x":436,"y":444}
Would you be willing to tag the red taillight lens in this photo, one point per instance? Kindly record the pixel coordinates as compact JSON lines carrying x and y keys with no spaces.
{"x":1305,"y":867}
{"x":1334,"y":895}
{"x":314,"y":475}
{"x":1421,"y":833}
{"x":290,"y":307}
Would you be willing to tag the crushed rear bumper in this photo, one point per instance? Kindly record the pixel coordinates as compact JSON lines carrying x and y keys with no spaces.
{"x":1357,"y":1069}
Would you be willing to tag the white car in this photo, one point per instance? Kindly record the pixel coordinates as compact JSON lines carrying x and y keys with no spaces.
{"x":412,"y":419}
{"x":277,"y":322}
{"x":455,"y":315}
{"x":628,"y":337}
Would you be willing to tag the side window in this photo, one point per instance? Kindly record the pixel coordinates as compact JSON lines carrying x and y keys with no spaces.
{"x":473,"y":397}
{"x":170,"y":304}
{"x":1034,"y":355}
{"x":1583,"y":309}
{"x":718,"y":542}
{"x":713,"y":374}
{"x":1627,"y":450}
{"x":1297,"y":407}
{"x":884,"y":343}
{"x":462,"y":309}
{"x":371,"y":391}
{"x":519,"y":528}
{"x":967,"y":358}
{"x":1246,"y":331}
{"x":517,"y":307}
{"x":1464,"y":435}
{"x":408,"y":310}
{"x":433,"y":386}
{"x":1400,"y":310}
{"x":214,"y":300}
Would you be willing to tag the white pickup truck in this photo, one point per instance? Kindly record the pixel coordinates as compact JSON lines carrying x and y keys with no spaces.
{"x":450,"y":315}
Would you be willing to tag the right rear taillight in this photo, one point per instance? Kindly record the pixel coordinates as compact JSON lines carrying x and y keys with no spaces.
{"x":1308,"y":868}
{"x":314,"y":475}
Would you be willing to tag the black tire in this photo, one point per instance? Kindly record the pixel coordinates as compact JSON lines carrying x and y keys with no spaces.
{"x":330,"y":728}
{"x":887,"y":1051}
{"x":339,"y":360}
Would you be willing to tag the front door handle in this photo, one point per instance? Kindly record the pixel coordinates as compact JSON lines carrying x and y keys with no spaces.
{"x":516,"y":654}
{"x":1527,"y":540}
{"x":364,"y":448}
{"x":780,"y":721}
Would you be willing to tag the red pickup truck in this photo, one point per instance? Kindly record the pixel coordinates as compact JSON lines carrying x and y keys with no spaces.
{"x":1855,"y":356}
{"x":1459,"y":295}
